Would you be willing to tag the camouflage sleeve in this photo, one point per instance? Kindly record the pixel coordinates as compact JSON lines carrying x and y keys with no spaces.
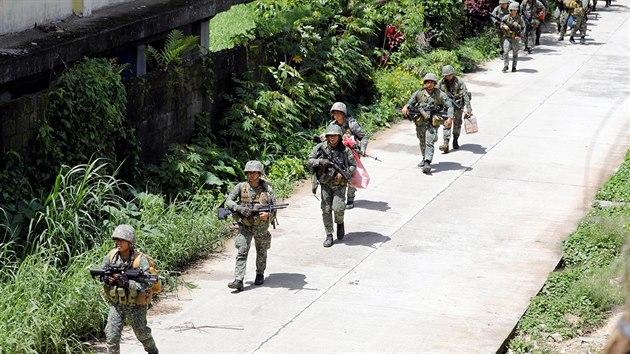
{"x":231,"y":198}
{"x":466,"y":96}
{"x":144,"y":266}
{"x":352,"y":163}
{"x":541,"y":6}
{"x":359,"y":134}
{"x":446,"y":103}
{"x":272,"y":200}
{"x":495,"y":13}
{"x":106,"y":260}
{"x":313,"y":158}
{"x":414,"y":99}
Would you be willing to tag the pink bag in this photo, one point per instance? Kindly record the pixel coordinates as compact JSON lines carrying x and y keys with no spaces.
{"x":470,"y":123}
{"x":360,"y":177}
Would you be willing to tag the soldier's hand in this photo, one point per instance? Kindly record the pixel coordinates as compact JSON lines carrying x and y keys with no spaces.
{"x":338,"y":178}
{"x":448,"y":123}
{"x":405,"y":111}
{"x":245,"y":211}
{"x":264,"y":215}
{"x":325,"y":163}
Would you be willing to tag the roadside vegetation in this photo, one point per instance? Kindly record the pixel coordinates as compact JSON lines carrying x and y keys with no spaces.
{"x":580,"y":296}
{"x":55,"y":223}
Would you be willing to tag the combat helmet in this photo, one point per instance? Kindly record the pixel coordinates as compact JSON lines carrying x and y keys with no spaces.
{"x":125,"y":232}
{"x":333,"y":129}
{"x":430,"y":77}
{"x":503,"y":1}
{"x":447,"y":70}
{"x":254,"y":166}
{"x":339,"y":106}
{"x":513,"y":6}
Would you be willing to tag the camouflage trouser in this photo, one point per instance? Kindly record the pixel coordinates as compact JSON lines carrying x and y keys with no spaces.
{"x":457,"y":125}
{"x":535,"y":29}
{"x":351,"y":193}
{"x":137,"y":315}
{"x":262,"y":241}
{"x":564,"y":21}
{"x":579,"y":23}
{"x":510,"y":44}
{"x":501,"y":37}
{"x":333,"y":203}
{"x":427,"y":134}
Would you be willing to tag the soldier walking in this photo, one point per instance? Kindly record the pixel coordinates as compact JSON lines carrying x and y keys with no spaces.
{"x":128,"y":299}
{"x":328,"y":159}
{"x":457,"y":92}
{"x":349,"y":127}
{"x":251,"y":224}
{"x":531,"y":13}
{"x":498,"y":12}
{"x":430,"y":100}
{"x":579,"y":23}
{"x":512,"y":27}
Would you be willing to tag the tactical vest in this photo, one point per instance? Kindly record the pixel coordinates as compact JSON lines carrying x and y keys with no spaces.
{"x":516,"y":23}
{"x":124,"y":296}
{"x":427,"y":101}
{"x":327,"y":176}
{"x":246,"y":197}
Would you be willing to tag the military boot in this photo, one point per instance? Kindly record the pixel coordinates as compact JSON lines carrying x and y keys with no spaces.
{"x":505,"y":69}
{"x":426,"y":168}
{"x":444,"y":147}
{"x":455,"y":143}
{"x":582,"y":40}
{"x":341,"y":231}
{"x":571,"y":39}
{"x":561,"y":38}
{"x":329,"y":241}
{"x":260,"y":279}
{"x":537,"y":40}
{"x":513,"y":68}
{"x":349,"y":205}
{"x":236,"y":284}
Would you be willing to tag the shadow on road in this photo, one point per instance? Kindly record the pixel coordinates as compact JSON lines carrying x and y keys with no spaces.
{"x":448,"y":166}
{"x":369,"y":239}
{"x":528,"y":71}
{"x":290,"y":281}
{"x":474,"y":148}
{"x":368,"y":204}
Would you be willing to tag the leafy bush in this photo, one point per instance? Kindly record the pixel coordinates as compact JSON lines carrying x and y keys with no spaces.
{"x":617,"y":188}
{"x":175,"y":49}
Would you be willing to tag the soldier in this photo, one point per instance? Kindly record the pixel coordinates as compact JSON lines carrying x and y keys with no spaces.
{"x":428,"y":100}
{"x":251,"y":224}
{"x":349,"y":127}
{"x":512,"y":27}
{"x":579,"y":23}
{"x":498,"y":12}
{"x":128,"y":299}
{"x":569,"y":9}
{"x":457,"y":92}
{"x":327,"y":159}
{"x":531,"y":14}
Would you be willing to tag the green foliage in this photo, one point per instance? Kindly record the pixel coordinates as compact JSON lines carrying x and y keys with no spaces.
{"x":175,"y":48}
{"x":234,"y":23}
{"x":284,"y":172}
{"x":86,"y":119}
{"x":617,"y":189}
{"x":474,"y":50}
{"x":444,"y":20}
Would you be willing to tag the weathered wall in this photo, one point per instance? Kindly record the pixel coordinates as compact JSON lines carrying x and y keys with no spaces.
{"x":161,"y":106}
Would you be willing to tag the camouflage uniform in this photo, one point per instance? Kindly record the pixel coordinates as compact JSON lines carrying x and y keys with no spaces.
{"x":333,"y":189}
{"x":499,"y":12}
{"x":579,"y":22}
{"x":531,"y":13}
{"x":135,"y":313}
{"x":252,"y":226}
{"x":351,"y":127}
{"x":425,"y":130}
{"x":456,"y":89}
{"x":510,"y":43}
{"x":570,"y":7}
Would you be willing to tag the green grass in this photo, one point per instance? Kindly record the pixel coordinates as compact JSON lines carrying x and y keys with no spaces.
{"x":579,"y":298}
{"x":226,"y":26}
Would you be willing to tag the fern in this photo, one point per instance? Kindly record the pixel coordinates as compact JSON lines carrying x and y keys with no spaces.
{"x":175,"y":47}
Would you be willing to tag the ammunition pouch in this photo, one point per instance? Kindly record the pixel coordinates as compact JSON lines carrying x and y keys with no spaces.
{"x":436,"y":120}
{"x":124,"y":296}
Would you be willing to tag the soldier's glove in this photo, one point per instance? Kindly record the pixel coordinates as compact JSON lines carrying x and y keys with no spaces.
{"x":245,"y":211}
{"x":122,"y":281}
{"x":325,"y":163}
{"x":107,"y":280}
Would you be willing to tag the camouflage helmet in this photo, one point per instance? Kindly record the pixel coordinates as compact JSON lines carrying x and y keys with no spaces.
{"x":448,"y":70}
{"x":430,"y":77}
{"x":513,"y":6}
{"x":339,"y":106}
{"x":254,"y":166}
{"x":333,"y":129}
{"x":124,"y":232}
{"x":503,"y":2}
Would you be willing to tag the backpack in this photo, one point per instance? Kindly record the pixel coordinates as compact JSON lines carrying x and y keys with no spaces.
{"x":157,"y":286}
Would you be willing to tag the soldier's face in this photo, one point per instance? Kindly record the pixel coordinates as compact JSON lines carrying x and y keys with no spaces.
{"x":252,"y":176}
{"x":429,"y":85}
{"x":332,"y":139}
{"x":338,"y":116}
{"x":504,"y":6}
{"x":513,"y":13}
{"x":122,"y":245}
{"x":449,"y":77}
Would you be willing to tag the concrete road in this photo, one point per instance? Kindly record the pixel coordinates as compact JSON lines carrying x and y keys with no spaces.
{"x":439,"y":263}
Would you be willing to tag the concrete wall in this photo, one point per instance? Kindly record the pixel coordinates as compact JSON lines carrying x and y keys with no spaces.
{"x":19,"y":15}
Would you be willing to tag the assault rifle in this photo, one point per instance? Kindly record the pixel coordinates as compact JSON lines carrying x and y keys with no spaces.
{"x":256,"y":208}
{"x":358,"y":151}
{"x":425,"y":113}
{"x":336,"y":163}
{"x":510,"y":26}
{"x":456,"y":104}
{"x":132,"y":274}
